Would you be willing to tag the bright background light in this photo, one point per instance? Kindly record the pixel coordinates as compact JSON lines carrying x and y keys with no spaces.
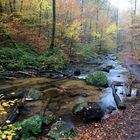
{"x":122,"y":4}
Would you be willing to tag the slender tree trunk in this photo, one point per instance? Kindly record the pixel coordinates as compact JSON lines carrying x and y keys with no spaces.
{"x":117,"y":25}
{"x":47,"y":22}
{"x":97,"y":19}
{"x":90,"y":30}
{"x":82,"y":21}
{"x":1,"y":7}
{"x":53,"y":23}
{"x":40,"y":18}
{"x":132,"y":21}
{"x":21,"y":6}
{"x":135,"y":11}
{"x":11,"y":7}
{"x":14,"y":5}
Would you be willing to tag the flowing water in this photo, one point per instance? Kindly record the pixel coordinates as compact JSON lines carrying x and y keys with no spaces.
{"x":62,"y":95}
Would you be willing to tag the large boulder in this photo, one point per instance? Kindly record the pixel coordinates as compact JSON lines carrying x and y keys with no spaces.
{"x":93,"y":112}
{"x":98,"y":79}
{"x":88,"y":111}
{"x":61,"y":130}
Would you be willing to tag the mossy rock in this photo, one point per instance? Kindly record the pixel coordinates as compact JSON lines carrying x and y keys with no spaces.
{"x":78,"y":109}
{"x":138,"y":93}
{"x":60,"y":130}
{"x":33,"y":94}
{"x":98,"y":79}
{"x":30,"y":127}
{"x":33,"y":124}
{"x":48,"y":119}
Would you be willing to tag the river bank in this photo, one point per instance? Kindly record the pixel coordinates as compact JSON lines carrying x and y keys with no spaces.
{"x":61,"y":95}
{"x":125,"y":124}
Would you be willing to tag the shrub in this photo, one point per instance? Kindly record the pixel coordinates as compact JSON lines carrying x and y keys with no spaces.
{"x":86,"y":51}
{"x":98,"y":79}
{"x":21,"y":58}
{"x":55,"y":59}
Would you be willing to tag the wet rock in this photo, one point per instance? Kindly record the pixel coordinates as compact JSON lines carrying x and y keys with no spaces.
{"x":97,"y":61}
{"x":88,"y":111}
{"x":74,"y":94}
{"x":53,"y":92}
{"x":54,"y":106}
{"x":93,"y":113}
{"x":77,"y":72}
{"x":1,"y":68}
{"x":84,"y":95}
{"x":107,"y":68}
{"x":49,"y":74}
{"x":32,"y":108}
{"x":60,"y":130}
{"x":32,"y":94}
{"x":138,"y":93}
{"x":79,"y":108}
{"x":110,"y":109}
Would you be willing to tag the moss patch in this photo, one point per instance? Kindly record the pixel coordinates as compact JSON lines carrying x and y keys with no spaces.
{"x":98,"y":79}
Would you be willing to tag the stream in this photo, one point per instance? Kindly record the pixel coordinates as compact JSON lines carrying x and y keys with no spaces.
{"x":65,"y":94}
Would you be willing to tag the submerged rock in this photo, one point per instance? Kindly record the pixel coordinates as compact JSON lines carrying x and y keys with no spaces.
{"x":107,"y":68}
{"x":32,"y":94}
{"x":60,"y":130}
{"x":54,"y":106}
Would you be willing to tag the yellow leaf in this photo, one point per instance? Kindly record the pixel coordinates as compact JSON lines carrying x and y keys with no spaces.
{"x":1,"y":108}
{"x":3,"y":136}
{"x":3,"y":112}
{"x":9,"y":137}
{"x":5,"y":104}
{"x":13,"y":93}
{"x":8,"y":121}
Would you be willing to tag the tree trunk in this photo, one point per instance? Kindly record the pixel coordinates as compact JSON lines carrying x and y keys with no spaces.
{"x":1,"y":7}
{"x":117,"y":99}
{"x":40,"y":18}
{"x":117,"y":25}
{"x":135,"y":11}
{"x":21,"y":6}
{"x":53,"y":23}
{"x":82,"y":10}
{"x":11,"y":7}
{"x":14,"y":5}
{"x":97,"y":19}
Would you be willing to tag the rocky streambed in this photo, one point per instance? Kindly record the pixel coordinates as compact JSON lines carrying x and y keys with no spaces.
{"x":57,"y":97}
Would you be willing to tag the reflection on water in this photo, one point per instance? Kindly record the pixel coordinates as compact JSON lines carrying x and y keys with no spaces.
{"x":71,"y":90}
{"x":107,"y":99}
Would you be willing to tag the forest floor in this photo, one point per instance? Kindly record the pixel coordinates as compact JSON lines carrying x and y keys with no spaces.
{"x":126,"y":124}
{"x":24,"y":34}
